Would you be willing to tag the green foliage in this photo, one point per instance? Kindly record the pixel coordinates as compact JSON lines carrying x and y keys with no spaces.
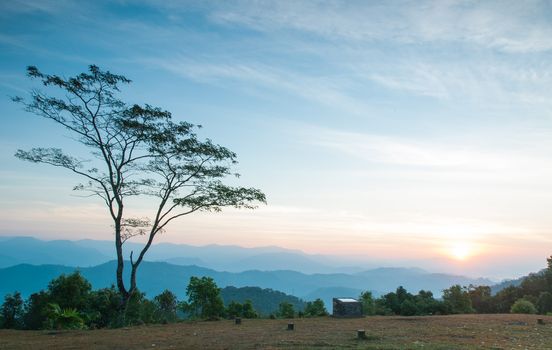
{"x":481,"y":299}
{"x":504,"y":299}
{"x":409,"y":308}
{"x":165,"y":307}
{"x":234,"y":309}
{"x":544,"y":303}
{"x":36,"y":306}
{"x":368,"y":304}
{"x":70,"y":291}
{"x":149,"y":313}
{"x":264,"y":301}
{"x":204,"y":298}
{"x":12,"y":311}
{"x":391,"y":302}
{"x":245,"y":310}
{"x":523,"y":306}
{"x":427,"y":305}
{"x":381,"y":307}
{"x":285,"y":310}
{"x":457,"y":300}
{"x":136,"y":310}
{"x":67,"y":318}
{"x":315,"y":309}
{"x":404,"y":303}
{"x":248,"y":311}
{"x":104,"y":308}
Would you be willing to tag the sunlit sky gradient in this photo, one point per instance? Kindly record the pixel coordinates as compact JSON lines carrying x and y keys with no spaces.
{"x":403,"y":132}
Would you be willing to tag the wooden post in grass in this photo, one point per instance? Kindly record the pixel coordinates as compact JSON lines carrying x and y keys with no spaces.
{"x":237,"y":320}
{"x":291,"y":327}
{"x":540,"y":321}
{"x":361,"y":334}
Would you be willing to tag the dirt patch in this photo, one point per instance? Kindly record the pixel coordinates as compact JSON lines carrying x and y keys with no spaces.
{"x":432,"y":332}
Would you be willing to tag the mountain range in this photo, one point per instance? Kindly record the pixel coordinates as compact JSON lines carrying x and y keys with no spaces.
{"x":28,"y":264}
{"x":154,"y":277}
{"x":87,"y":253}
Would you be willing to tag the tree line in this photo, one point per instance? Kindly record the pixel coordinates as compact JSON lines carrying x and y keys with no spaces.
{"x":70,"y":303}
{"x":532,"y":296}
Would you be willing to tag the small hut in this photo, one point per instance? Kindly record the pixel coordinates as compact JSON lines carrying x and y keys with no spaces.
{"x":347,"y":307}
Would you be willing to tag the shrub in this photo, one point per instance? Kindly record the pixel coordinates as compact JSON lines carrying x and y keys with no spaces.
{"x":63,"y":318}
{"x":104,"y":308}
{"x":368,"y":304}
{"x":70,"y":291}
{"x":315,"y":308}
{"x":522,"y":306}
{"x":285,"y":310}
{"x":12,"y":311}
{"x":545,"y":302}
{"x":248,"y":311}
{"x":36,"y":307}
{"x":165,"y":307}
{"x":408,"y":308}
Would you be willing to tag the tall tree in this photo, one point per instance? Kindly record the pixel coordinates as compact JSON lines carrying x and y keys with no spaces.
{"x":134,"y":151}
{"x":204,"y":298}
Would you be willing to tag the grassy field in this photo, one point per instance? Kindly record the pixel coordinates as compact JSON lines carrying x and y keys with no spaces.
{"x":435,"y":332}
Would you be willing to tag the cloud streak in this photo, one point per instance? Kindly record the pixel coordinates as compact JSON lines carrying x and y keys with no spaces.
{"x":510,"y":26}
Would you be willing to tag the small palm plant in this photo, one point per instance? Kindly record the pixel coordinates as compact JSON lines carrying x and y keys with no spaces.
{"x":68,"y":318}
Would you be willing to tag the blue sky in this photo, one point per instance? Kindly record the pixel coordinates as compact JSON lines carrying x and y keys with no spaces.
{"x":403,"y":132}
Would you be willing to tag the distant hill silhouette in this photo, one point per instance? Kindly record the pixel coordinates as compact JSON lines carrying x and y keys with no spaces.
{"x":265,"y":301}
{"x":513,"y":282}
{"x":85,"y":253}
{"x":28,"y":250}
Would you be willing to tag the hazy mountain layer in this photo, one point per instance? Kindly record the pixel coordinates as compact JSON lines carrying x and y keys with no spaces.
{"x":154,"y":277}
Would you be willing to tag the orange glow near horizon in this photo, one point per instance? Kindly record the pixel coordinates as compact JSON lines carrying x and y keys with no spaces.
{"x":460,"y":251}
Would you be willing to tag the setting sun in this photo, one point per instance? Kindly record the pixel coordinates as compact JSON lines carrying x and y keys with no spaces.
{"x":460,"y":250}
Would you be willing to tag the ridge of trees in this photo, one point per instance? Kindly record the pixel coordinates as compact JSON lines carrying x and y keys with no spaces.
{"x":70,"y":303}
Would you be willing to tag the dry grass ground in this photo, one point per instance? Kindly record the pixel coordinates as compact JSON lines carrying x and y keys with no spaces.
{"x":435,"y":332}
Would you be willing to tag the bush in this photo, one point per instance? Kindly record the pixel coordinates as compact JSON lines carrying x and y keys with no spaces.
{"x":70,"y":291}
{"x":522,"y":306}
{"x":63,"y":318}
{"x":12,"y":311}
{"x":285,"y":310}
{"x":368,"y":304}
{"x":409,"y":308}
{"x":36,"y":307}
{"x":104,"y":308}
{"x":315,"y":308}
{"x":248,"y":311}
{"x":165,"y":307}
{"x":245,"y":310}
{"x":545,"y":302}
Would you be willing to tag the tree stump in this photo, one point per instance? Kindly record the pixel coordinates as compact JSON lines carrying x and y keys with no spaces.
{"x":290,"y":327}
{"x":361,"y":334}
{"x":237,"y":320}
{"x":540,"y":321}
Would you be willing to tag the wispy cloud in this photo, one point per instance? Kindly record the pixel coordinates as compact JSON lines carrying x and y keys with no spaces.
{"x":510,"y":26}
{"x":400,"y":151}
{"x":322,"y":89}
{"x":44,"y":6}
